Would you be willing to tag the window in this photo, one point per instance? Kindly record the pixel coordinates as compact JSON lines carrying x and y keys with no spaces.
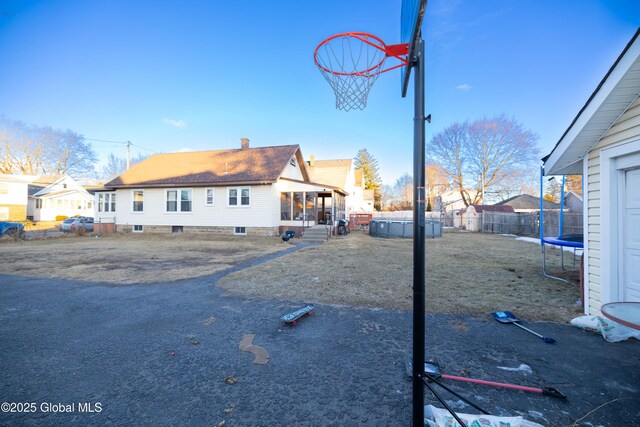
{"x":185,"y":200}
{"x":239,"y":196}
{"x":138,"y":228}
{"x":107,"y":202}
{"x":138,"y":200}
{"x":240,"y":231}
{"x":38,"y":203}
{"x":285,"y":206}
{"x":172,"y":200}
{"x":4,"y":213}
{"x":310,"y":206}
{"x":4,"y":188}
{"x":208,"y":196}
{"x":89,"y":204}
{"x":297,"y":206}
{"x":244,"y":200}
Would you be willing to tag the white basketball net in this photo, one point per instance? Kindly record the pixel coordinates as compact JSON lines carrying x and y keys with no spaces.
{"x":351,"y":63}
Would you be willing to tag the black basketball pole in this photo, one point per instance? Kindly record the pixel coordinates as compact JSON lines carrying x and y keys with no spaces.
{"x":419,"y":195}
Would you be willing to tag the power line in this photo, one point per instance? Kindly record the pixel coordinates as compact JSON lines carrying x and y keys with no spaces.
{"x":145,"y":148}
{"x":128,"y":143}
{"x":105,"y":140}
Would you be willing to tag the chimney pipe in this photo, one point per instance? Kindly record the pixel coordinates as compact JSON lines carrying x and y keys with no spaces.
{"x":312,"y":160}
{"x":244,"y":143}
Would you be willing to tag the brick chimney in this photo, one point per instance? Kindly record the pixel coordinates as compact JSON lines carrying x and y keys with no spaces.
{"x":312,"y":160}
{"x":244,"y":143}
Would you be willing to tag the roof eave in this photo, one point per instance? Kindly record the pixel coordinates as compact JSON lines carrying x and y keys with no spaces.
{"x":186,"y":184}
{"x":566,"y":157}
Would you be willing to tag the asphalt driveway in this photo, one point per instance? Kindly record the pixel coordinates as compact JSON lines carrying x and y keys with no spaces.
{"x":159,"y":355}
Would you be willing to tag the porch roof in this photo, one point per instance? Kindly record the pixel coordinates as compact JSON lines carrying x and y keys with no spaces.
{"x":319,"y":185}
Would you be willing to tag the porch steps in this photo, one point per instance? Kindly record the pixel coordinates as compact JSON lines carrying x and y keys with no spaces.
{"x":317,"y":233}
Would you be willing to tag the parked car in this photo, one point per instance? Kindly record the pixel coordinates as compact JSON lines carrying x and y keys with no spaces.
{"x":11,"y":229}
{"x":73,"y":224}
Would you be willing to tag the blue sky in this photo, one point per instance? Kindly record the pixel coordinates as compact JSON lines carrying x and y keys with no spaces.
{"x":172,"y":75}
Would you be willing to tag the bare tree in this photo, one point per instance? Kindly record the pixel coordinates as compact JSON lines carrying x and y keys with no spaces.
{"x":519,"y":181}
{"x":436,"y":182}
{"x":32,"y":150}
{"x":552,"y":192}
{"x":401,"y":194}
{"x":117,"y":165}
{"x":478,"y":155}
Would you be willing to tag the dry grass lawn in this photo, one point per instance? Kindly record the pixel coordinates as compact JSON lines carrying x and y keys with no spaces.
{"x":130,"y":258}
{"x":467,"y":273}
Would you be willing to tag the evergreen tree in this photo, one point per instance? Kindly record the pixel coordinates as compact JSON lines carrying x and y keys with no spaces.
{"x":369,"y":166}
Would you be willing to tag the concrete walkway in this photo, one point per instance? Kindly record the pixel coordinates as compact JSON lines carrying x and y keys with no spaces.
{"x":167,"y":354}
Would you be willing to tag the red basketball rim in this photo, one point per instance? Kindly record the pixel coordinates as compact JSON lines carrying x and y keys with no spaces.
{"x":395,"y":51}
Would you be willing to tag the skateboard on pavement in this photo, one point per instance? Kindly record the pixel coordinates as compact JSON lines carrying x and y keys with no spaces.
{"x":292,"y":317}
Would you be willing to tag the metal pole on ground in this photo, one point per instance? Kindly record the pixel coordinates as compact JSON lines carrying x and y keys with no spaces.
{"x":418,"y":236}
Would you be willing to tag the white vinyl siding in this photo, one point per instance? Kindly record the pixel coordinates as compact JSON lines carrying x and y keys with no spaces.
{"x":293,"y":171}
{"x":626,"y":129}
{"x":260,"y":213}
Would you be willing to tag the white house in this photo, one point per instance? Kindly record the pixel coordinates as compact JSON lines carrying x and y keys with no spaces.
{"x":42,"y":198}
{"x":59,"y":195}
{"x":259,"y":191}
{"x":603,"y":144}
{"x":13,"y":197}
{"x":342,"y":174}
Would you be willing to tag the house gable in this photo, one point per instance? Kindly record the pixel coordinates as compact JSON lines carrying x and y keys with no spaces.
{"x":615,"y":94}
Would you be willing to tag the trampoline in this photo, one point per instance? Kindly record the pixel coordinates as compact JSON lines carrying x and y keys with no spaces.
{"x":574,"y":241}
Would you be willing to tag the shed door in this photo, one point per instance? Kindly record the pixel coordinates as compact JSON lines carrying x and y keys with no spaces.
{"x":631,"y":237}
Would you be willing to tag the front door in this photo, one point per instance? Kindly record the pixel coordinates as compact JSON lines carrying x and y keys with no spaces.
{"x":630,"y":229}
{"x":324,"y":207}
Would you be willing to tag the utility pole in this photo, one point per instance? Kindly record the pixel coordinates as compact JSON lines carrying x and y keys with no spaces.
{"x":128,"y":154}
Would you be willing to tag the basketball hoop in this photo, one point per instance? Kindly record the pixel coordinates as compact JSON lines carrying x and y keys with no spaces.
{"x":352,"y":62}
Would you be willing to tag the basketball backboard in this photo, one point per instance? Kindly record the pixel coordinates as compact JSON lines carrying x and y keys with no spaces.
{"x":410,"y":25}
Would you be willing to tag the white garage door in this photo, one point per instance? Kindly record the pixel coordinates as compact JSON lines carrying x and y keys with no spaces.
{"x":631,"y":239}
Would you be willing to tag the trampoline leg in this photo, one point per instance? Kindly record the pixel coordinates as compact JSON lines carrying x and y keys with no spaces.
{"x":544,"y":267}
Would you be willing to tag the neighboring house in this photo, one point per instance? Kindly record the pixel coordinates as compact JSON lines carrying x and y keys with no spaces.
{"x":340,"y":173}
{"x":42,"y":198}
{"x":13,"y":197}
{"x":603,"y":144}
{"x":363,"y":199}
{"x":57,"y":195}
{"x":448,"y":201}
{"x":527,"y":203}
{"x":259,"y":191}
{"x":573,"y":202}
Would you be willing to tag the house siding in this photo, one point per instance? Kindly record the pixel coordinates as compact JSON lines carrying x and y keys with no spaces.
{"x":13,"y":201}
{"x":625,"y":129}
{"x":258,"y":216}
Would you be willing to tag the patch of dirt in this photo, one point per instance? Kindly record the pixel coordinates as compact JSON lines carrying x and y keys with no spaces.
{"x":466,"y":273}
{"x":127,"y":258}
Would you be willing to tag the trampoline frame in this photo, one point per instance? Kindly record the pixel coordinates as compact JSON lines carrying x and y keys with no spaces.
{"x":570,"y":241}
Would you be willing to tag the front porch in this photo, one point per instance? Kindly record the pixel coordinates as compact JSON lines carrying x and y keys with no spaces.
{"x":306,"y":205}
